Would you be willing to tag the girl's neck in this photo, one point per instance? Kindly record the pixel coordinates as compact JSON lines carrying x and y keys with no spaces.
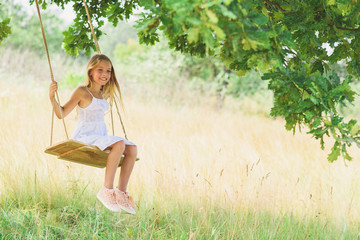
{"x":95,"y":88}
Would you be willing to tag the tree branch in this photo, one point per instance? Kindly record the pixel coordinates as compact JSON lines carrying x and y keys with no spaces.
{"x":158,"y":2}
{"x":277,"y":6}
{"x":274,"y":4}
{"x":348,"y":29}
{"x":155,"y":23}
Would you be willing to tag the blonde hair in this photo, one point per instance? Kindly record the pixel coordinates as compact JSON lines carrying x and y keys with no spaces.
{"x":112,"y":89}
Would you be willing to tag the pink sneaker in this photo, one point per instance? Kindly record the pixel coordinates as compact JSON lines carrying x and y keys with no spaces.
{"x":125,"y":201}
{"x":108,"y":198}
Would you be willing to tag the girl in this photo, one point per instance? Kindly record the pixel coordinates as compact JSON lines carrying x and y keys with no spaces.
{"x":101,"y":84}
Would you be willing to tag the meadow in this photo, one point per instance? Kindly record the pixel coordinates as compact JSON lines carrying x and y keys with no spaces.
{"x":204,"y":173}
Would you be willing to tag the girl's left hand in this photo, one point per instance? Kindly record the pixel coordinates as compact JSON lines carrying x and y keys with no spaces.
{"x":52,"y":89}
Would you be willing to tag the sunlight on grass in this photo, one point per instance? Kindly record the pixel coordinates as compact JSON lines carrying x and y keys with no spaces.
{"x":209,"y":161}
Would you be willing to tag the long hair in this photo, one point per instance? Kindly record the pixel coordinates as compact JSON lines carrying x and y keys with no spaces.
{"x":111,"y":89}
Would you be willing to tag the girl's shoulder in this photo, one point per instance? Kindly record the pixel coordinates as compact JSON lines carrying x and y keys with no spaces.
{"x":80,"y":93}
{"x":81,"y":90}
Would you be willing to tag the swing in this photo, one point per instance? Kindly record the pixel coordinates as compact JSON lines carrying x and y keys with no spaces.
{"x":71,"y":150}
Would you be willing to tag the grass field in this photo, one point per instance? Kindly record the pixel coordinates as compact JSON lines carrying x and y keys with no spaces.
{"x":203,"y":174}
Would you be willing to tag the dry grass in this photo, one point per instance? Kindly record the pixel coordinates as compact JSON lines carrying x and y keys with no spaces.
{"x":188,"y":153}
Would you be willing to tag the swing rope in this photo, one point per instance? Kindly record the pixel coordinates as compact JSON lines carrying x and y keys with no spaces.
{"x":122,"y":124}
{"x":92,"y":29}
{"x":52,"y":79}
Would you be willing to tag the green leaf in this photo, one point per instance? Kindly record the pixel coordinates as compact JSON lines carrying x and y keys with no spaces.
{"x":193,"y":34}
{"x":226,"y":12}
{"x":335,"y":153}
{"x":218,"y":32}
{"x":309,"y":115}
{"x":317,"y":66}
{"x":260,"y":19}
{"x":345,"y":154}
{"x":331,"y":2}
{"x":314,"y":99}
{"x":249,"y":44}
{"x":354,"y":130}
{"x":212,"y":16}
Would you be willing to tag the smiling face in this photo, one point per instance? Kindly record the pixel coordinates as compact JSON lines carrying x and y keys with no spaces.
{"x":101,"y":73}
{"x":101,"y":76}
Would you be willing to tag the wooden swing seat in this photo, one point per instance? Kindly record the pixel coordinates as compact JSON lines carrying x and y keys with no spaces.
{"x":78,"y":152}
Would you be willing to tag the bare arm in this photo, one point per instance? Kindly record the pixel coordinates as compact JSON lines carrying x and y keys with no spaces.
{"x":69,"y":105}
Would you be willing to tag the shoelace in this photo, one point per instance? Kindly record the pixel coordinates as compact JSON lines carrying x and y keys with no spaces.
{"x":125,"y":200}
{"x":130,"y":200}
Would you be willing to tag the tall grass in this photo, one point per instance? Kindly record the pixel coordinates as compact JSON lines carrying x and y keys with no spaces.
{"x":203,"y":174}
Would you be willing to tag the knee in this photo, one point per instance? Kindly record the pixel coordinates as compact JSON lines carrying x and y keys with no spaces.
{"x":131,"y":150}
{"x":119,"y":146}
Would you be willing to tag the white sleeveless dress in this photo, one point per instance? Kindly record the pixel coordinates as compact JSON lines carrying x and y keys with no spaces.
{"x":91,"y":127}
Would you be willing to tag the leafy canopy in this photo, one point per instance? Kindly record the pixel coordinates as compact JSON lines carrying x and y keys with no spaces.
{"x":283,"y":39}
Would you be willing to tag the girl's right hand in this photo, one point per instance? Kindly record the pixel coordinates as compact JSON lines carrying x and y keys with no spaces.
{"x":53,"y":88}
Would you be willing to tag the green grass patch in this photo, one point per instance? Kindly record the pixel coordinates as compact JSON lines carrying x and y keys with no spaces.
{"x":66,"y":216}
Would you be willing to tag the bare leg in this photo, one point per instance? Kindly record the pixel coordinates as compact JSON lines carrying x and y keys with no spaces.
{"x":117,"y":149}
{"x":127,"y":166}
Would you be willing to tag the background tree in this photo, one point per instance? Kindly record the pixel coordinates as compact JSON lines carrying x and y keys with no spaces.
{"x":4,"y":24}
{"x":284,"y":40}
{"x":206,"y":76}
{"x":25,"y":32}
